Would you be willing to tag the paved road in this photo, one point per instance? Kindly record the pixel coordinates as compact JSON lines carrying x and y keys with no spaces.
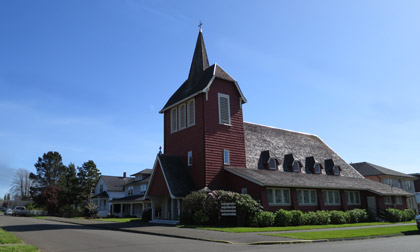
{"x":55,"y":236}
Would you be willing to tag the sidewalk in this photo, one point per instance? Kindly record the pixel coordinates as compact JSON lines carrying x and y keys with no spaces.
{"x":200,"y":234}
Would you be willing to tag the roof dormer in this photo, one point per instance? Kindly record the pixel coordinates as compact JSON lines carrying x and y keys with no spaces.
{"x":297,"y":165}
{"x":267,"y":161}
{"x":331,"y":168}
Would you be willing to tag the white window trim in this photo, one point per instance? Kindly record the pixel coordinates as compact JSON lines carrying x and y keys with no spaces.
{"x":182,"y":108}
{"x":224,"y":157}
{"x":354,"y":197}
{"x":317,"y":169}
{"x":326,"y":200}
{"x":398,"y":202}
{"x":273,"y":195}
{"x":188,"y":158}
{"x":228,"y":106}
{"x":189,"y":124}
{"x":336,"y":170}
{"x":388,"y":202}
{"x":275,"y":164}
{"x":296,"y":163}
{"x":174,"y":119}
{"x":307,"y":204}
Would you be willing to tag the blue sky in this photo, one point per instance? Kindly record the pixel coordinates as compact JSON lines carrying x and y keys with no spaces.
{"x":87,"y":78}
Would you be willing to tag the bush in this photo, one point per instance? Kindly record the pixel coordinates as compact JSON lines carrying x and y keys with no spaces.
{"x":339,"y":217}
{"x":200,"y":217}
{"x":246,"y":209}
{"x":323,"y":217}
{"x":409,"y":214}
{"x":358,"y":215}
{"x":265,"y":219}
{"x":282,"y":218}
{"x":394,"y":215}
{"x":146,"y":216}
{"x":297,"y":219}
{"x":310,"y":218}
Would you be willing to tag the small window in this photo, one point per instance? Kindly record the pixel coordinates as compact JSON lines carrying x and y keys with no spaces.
{"x":306,"y":197}
{"x":388,"y":200}
{"x":296,"y":166}
{"x":174,"y":120}
{"x":317,"y":168}
{"x":331,"y":197}
{"x":224,"y":109}
{"x":352,"y":198}
{"x":398,"y":200}
{"x":226,"y":158}
{"x":191,"y":112}
{"x":336,"y":170}
{"x":189,"y":158}
{"x":273,"y":164}
{"x":244,"y":190}
{"x":101,"y":188}
{"x":182,"y":117}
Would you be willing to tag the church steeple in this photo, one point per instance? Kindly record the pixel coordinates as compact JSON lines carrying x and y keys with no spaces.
{"x":200,"y":62}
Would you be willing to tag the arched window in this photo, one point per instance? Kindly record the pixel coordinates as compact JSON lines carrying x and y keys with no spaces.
{"x":273,"y":164}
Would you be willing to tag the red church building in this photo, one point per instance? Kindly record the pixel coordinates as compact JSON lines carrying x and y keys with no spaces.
{"x":208,"y":145}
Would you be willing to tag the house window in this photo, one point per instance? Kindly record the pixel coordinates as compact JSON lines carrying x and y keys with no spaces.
{"x":388,"y":200}
{"x":398,"y":200}
{"x":296,"y":166}
{"x":101,"y":188}
{"x":317,"y":168}
{"x":388,"y":181}
{"x":244,"y":190}
{"x":130,"y":190}
{"x":306,"y":197}
{"x":226,"y":158}
{"x":273,"y":165}
{"x":191,"y":112}
{"x":278,"y":196}
{"x":104,"y":204}
{"x":336,"y":170}
{"x":224,"y":109}
{"x":189,"y":158}
{"x":143,"y":188}
{"x":331,"y":197}
{"x":174,"y":120}
{"x":182,"y":119}
{"x":352,"y":197}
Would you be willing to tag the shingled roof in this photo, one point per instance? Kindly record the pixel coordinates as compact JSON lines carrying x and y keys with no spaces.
{"x":282,"y":142}
{"x":115,"y":183}
{"x":368,"y":169}
{"x":269,"y":178}
{"x":177,"y":175}
{"x":200,"y":77}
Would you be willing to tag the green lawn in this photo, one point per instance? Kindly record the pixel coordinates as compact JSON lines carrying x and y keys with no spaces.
{"x":10,"y":243}
{"x":274,"y":229}
{"x":40,"y":217}
{"x":351,"y":233}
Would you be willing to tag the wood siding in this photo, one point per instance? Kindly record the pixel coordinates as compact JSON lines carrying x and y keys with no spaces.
{"x":158,"y":185}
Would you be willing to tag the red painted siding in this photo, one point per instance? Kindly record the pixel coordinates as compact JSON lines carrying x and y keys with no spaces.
{"x":158,"y":185}
{"x":220,"y":137}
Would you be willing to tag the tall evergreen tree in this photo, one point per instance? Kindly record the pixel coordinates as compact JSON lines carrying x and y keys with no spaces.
{"x":72,"y":188}
{"x":88,"y":176}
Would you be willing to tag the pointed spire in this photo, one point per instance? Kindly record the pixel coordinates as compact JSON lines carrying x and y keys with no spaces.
{"x":200,"y":62}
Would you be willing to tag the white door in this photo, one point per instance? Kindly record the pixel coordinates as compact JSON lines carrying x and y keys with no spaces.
{"x":371,"y":204}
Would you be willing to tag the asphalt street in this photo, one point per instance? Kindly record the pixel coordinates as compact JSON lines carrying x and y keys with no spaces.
{"x":56,"y":236}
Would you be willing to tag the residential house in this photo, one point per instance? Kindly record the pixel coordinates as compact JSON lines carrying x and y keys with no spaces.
{"x":207,"y":145}
{"x":107,"y":189}
{"x":133,"y":203}
{"x":417,"y":187}
{"x":391,"y":178}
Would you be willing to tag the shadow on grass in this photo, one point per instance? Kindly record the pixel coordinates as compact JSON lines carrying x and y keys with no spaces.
{"x":414,"y":232}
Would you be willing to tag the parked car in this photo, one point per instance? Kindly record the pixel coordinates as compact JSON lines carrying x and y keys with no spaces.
{"x":418,"y":221}
{"x":19,"y":210}
{"x":8,"y":211}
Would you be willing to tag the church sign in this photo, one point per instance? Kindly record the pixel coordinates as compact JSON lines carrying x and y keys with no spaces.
{"x":228,"y":209}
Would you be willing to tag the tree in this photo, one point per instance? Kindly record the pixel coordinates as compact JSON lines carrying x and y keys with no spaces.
{"x":49,"y":181}
{"x":21,"y":184}
{"x":72,"y":188}
{"x":88,"y":176}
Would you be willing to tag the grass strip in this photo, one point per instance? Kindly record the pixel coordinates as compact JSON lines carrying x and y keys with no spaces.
{"x":112,"y":219}
{"x":40,"y":217}
{"x":288,"y":228}
{"x":18,"y":248}
{"x":350,"y":233}
{"x":8,"y":238}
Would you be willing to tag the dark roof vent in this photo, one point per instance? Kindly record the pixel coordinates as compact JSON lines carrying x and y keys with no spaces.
{"x":288,"y":163}
{"x":329,"y":166}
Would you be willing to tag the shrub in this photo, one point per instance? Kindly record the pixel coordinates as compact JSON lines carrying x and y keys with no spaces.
{"x":394,"y":215}
{"x":296,"y":218}
{"x":358,"y":215}
{"x":265,"y":219}
{"x":310,"y":218}
{"x":194,"y":201}
{"x":282,"y":218}
{"x":246,"y":208}
{"x":339,"y":217}
{"x":146,"y":216}
{"x":323,"y":217}
{"x":409,"y":214}
{"x":200,"y":217}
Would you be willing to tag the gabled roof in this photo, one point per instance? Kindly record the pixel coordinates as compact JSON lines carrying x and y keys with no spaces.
{"x":102,"y":195}
{"x":282,"y":142}
{"x":176,"y":175}
{"x":368,"y":169}
{"x":269,"y":178}
{"x":200,"y":77}
{"x":129,"y":198}
{"x":115,"y":183}
{"x":145,"y":171}
{"x":145,"y":180}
